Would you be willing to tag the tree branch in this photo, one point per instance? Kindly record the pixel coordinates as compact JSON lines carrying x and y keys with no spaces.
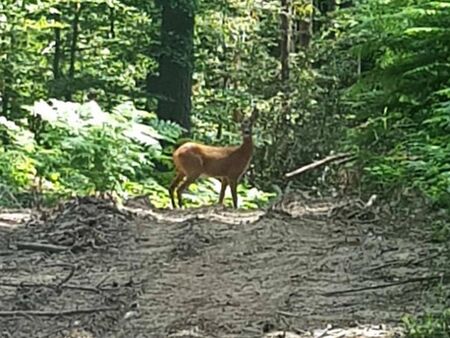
{"x":319,"y":163}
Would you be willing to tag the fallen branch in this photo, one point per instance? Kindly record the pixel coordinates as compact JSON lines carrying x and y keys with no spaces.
{"x":381,"y":266}
{"x":408,"y":263}
{"x":381,"y":286}
{"x":51,"y":286}
{"x":287,"y":314}
{"x":345,"y":160}
{"x":102,"y":281}
{"x":319,"y":163}
{"x":41,"y":247}
{"x":68,"y":277}
{"x":55,"y":313}
{"x":417,"y":262}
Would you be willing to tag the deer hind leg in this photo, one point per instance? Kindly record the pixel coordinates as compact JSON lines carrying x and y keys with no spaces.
{"x":233,"y":187}
{"x":187,"y":182}
{"x":192,"y":167}
{"x":223,"y":188}
{"x":176,"y":181}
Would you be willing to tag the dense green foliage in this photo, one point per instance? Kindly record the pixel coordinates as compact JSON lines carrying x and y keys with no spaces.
{"x":431,"y":326}
{"x":112,"y":50}
{"x":41,"y":55}
{"x":79,"y":149}
{"x":374,"y":80}
{"x":401,"y":103}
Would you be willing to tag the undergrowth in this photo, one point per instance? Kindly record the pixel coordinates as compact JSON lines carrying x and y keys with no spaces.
{"x":63,"y":149}
{"x":429,"y":326}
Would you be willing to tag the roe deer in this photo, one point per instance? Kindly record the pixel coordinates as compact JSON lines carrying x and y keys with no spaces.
{"x":227,"y":164}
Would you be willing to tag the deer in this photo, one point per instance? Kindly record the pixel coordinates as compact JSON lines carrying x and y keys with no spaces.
{"x":228,"y":164}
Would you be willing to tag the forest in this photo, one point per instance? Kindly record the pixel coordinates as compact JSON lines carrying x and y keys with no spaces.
{"x":353,"y":102}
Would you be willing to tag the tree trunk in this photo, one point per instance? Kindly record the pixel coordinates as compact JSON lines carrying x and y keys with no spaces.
{"x":4,"y":137}
{"x":176,"y":62}
{"x":5,"y":102}
{"x":305,"y":27}
{"x":112,"y":21}
{"x":73,"y":49}
{"x":57,"y":55}
{"x":285,"y":17}
{"x":55,"y":85}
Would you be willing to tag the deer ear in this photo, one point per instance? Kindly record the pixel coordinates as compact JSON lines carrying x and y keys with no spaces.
{"x":237,"y":116}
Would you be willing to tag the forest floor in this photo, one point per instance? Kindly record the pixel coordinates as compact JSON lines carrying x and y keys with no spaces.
{"x":312,"y":267}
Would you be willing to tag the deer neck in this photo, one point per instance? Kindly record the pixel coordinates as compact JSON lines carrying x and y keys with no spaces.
{"x":247,"y":145}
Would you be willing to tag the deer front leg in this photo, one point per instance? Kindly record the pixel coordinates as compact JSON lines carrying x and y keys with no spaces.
{"x":223,"y":188}
{"x":233,"y":187}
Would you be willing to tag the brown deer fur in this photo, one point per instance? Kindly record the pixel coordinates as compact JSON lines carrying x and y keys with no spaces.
{"x":228,"y":164}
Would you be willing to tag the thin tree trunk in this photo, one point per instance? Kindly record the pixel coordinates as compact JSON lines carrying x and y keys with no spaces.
{"x":5,"y":102}
{"x":57,"y":55}
{"x":54,"y":89}
{"x":112,"y":20}
{"x":359,"y":64}
{"x":285,"y":38}
{"x":225,"y":82}
{"x":73,"y":48}
{"x":226,"y":75}
{"x":176,"y":62}
{"x":8,"y":76}
{"x":306,"y":27}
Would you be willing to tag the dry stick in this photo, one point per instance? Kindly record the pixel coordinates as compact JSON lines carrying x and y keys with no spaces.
{"x":318,"y":163}
{"x":50,"y":286}
{"x":416,"y":262}
{"x":412,"y":280}
{"x":69,"y":276}
{"x":102,"y":281}
{"x":345,"y":160}
{"x":41,"y":247}
{"x":381,"y":266}
{"x":287,"y":314}
{"x":56,"y":313}
{"x":411,"y":262}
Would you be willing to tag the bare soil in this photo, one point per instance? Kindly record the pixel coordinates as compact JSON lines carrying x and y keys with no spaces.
{"x":89,"y":268}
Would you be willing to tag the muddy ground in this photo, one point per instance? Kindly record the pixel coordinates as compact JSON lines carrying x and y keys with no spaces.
{"x":91,"y":269}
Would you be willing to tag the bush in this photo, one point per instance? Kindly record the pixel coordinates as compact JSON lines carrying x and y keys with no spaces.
{"x":399,"y":108}
{"x":80,"y":149}
{"x":430,"y":326}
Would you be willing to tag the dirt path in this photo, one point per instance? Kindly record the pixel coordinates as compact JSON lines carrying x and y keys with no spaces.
{"x":139,"y":272}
